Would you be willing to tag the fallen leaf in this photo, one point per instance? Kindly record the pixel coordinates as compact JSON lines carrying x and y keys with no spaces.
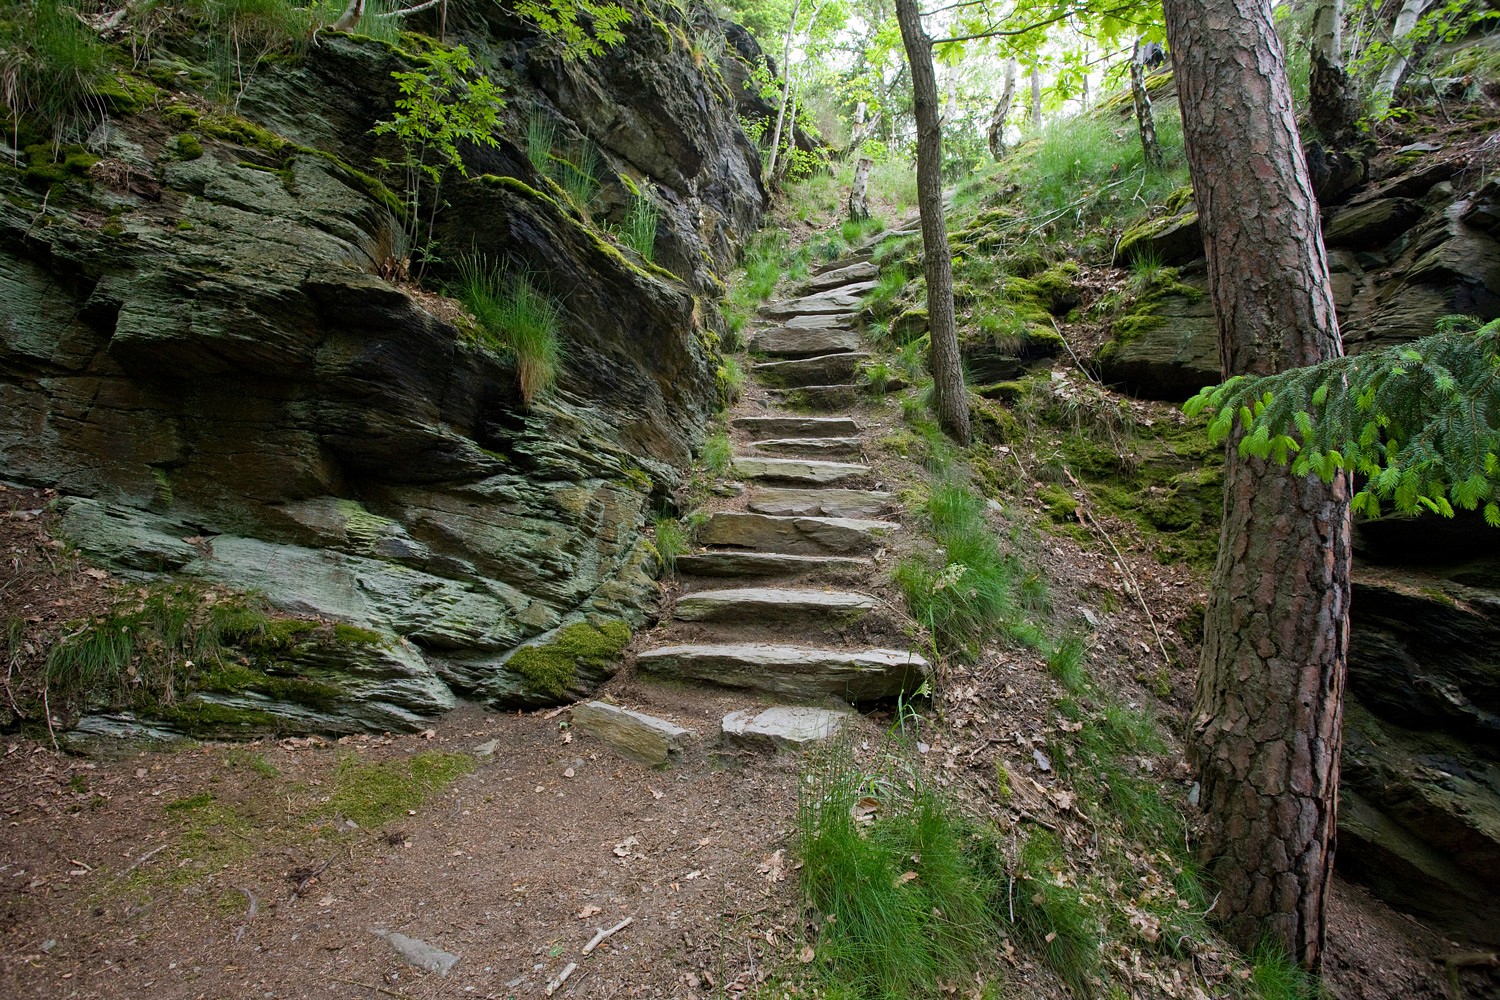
{"x":97,"y":574}
{"x":865,"y":809}
{"x":773,"y":868}
{"x":905,"y":877}
{"x":622,"y":849}
{"x":1063,"y":800}
{"x":807,"y":954}
{"x":655,"y":794}
{"x":588,"y":911}
{"x":1042,"y":760}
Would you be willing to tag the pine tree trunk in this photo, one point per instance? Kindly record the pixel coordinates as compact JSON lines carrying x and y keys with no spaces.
{"x":1002,"y":111}
{"x":947,"y":373}
{"x":1145,"y":122}
{"x":859,"y":203}
{"x":1266,"y":723}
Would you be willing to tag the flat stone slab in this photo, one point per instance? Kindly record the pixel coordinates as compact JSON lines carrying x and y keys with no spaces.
{"x":815,"y":447}
{"x":792,"y":671}
{"x":788,"y":341}
{"x":731,"y":563}
{"x":821,"y":369}
{"x":773,"y":604}
{"x":796,"y":426}
{"x":791,"y":727}
{"x":418,"y":952}
{"x":849,"y":274}
{"x":838,"y":536}
{"x":631,"y":734}
{"x":821,"y":503}
{"x":844,"y":299}
{"x":817,"y":397}
{"x":804,"y":471}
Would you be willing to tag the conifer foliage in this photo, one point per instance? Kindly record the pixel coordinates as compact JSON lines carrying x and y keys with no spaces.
{"x":1419,"y":423}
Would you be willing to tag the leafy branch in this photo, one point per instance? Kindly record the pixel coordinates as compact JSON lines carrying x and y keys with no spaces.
{"x":1419,"y":423}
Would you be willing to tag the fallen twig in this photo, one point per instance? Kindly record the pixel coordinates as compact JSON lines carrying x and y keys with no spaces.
{"x":140,"y":861}
{"x":599,"y":938}
{"x":371,"y":986}
{"x":562,"y":977}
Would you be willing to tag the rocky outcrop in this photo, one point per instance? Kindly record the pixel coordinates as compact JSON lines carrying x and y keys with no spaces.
{"x":200,"y":349}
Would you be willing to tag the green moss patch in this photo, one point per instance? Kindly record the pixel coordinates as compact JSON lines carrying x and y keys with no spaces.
{"x":372,"y":793}
{"x":552,"y":668}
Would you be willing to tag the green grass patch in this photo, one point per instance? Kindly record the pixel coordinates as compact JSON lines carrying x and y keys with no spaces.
{"x":896,"y":882}
{"x":672,"y":540}
{"x":968,"y":590}
{"x":717,"y":453}
{"x":515,"y":318}
{"x":1052,"y":917}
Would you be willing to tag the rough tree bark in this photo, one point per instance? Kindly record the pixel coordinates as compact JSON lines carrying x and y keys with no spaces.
{"x":1002,"y":111}
{"x":1145,"y":122}
{"x":1332,"y":106}
{"x":949,"y":393}
{"x":1266,"y":722}
{"x":859,"y":202}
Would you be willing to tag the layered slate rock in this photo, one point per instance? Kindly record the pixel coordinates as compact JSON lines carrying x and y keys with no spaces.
{"x":801,"y":672}
{"x":823,"y":369}
{"x":798,"y":471}
{"x":849,"y":274}
{"x":786,"y":426}
{"x":731,"y":563}
{"x":772,"y":604}
{"x":635,"y":735}
{"x":226,"y":360}
{"x":789,"y":727}
{"x":812,"y":447}
{"x":795,"y":535}
{"x":802,"y":341}
{"x":843,"y":300}
{"x":821,"y":503}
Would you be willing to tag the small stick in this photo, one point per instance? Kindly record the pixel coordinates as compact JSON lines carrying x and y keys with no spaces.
{"x":372,"y":986}
{"x":140,"y":861}
{"x":562,"y":977}
{"x":598,"y":938}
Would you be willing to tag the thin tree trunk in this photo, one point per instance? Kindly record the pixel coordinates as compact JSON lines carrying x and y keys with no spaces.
{"x":350,"y":18}
{"x":1002,"y":111}
{"x":1266,"y":723}
{"x":1331,"y":103}
{"x":859,"y":203}
{"x":786,"y":89}
{"x":861,"y":126}
{"x":1036,"y":97}
{"x":1395,"y":71}
{"x":1144,"y":120}
{"x":947,"y":372}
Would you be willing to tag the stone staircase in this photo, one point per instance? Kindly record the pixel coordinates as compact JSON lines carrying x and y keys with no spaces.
{"x":771,"y":603}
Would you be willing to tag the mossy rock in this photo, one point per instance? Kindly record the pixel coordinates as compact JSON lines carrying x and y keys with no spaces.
{"x":573,"y":655}
{"x":1168,"y":239}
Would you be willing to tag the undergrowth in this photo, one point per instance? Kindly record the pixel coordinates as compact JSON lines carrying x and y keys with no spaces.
{"x":514,"y":317}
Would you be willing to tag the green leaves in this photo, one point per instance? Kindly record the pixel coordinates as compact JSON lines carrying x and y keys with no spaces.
{"x":584,"y":27}
{"x":1419,"y":423}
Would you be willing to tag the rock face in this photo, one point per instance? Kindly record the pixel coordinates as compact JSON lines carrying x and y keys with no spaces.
{"x":223,"y":361}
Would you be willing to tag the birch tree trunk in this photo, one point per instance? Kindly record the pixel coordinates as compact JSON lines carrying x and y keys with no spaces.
{"x":786,"y":89}
{"x":1395,"y":71}
{"x":1002,"y":111}
{"x":1036,"y":97}
{"x":859,"y":203}
{"x":1145,"y":122}
{"x":1269,"y":702}
{"x":947,"y":373}
{"x":1332,"y":106}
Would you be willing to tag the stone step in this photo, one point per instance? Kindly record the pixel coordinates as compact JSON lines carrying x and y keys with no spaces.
{"x":817,"y":397}
{"x":782,"y":727}
{"x":768,"y":427}
{"x":848,"y":260}
{"x":801,"y":471}
{"x":838,"y":277}
{"x":845,"y":299}
{"x":773,"y":605}
{"x":786,"y":341}
{"x":808,"y":536}
{"x":632,"y":734}
{"x":822,"y":369}
{"x":733,"y":564}
{"x":792,"y":671}
{"x":821,"y":503}
{"x":817,"y":447}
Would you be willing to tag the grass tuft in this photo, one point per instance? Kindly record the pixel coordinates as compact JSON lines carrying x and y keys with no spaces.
{"x":515,"y":318}
{"x":717,"y":453}
{"x":672,"y":540}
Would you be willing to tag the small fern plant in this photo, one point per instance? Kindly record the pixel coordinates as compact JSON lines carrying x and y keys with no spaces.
{"x":1418,"y":423}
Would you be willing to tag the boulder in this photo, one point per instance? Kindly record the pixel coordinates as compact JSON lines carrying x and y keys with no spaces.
{"x":635,"y":735}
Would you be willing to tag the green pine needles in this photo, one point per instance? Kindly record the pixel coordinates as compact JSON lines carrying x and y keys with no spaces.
{"x":1419,"y":423}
